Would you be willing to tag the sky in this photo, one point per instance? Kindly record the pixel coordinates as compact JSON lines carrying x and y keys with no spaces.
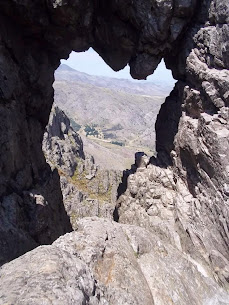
{"x":91,"y":63}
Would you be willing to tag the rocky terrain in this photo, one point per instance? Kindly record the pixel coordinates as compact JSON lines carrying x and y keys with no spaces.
{"x":171,"y":243}
{"x":87,"y":189}
{"x":111,"y":156}
{"x":107,"y":263}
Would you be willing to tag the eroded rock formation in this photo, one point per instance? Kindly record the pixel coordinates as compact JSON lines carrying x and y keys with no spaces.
{"x":87,"y":189}
{"x":190,"y":175}
{"x":191,"y":195}
{"x":34,"y":37}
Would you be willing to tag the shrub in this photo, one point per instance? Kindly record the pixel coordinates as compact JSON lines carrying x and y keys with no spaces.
{"x":91,"y":131}
{"x":117,"y":143}
{"x":76,"y":127}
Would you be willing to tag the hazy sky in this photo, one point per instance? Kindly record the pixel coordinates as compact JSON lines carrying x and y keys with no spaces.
{"x":91,"y":63}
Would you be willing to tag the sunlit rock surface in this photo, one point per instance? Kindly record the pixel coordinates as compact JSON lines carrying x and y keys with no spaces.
{"x":107,"y":263}
{"x":183,"y":194}
{"x":87,"y":189}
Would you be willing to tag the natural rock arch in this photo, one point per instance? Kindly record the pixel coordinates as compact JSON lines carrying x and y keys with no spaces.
{"x":192,"y":37}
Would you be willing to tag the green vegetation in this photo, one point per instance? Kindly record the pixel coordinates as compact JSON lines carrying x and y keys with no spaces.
{"x":136,"y":254}
{"x":91,"y":131}
{"x":117,"y":143}
{"x":86,"y":186}
{"x":75,"y":125}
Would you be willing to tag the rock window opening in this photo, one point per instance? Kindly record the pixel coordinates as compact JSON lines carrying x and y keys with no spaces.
{"x":171,"y":242}
{"x":99,"y":120}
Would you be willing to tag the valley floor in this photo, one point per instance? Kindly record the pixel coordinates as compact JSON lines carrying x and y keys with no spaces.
{"x":110,"y":156}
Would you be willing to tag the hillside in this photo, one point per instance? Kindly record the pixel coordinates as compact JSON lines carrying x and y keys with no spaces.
{"x":122,"y":122}
{"x":141,"y":87}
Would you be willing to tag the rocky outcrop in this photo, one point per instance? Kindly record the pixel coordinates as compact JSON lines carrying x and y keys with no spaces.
{"x":34,"y":36}
{"x":135,"y":32}
{"x":62,"y":146}
{"x":183,"y":195}
{"x":107,"y":263}
{"x":31,"y":207}
{"x":200,"y":152}
{"x":87,"y":189}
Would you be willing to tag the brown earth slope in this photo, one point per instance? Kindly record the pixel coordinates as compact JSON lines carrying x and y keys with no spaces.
{"x":119,"y":111}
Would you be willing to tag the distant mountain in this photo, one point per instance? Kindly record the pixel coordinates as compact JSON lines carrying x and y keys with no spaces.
{"x":64,"y":72}
{"x":64,"y":67}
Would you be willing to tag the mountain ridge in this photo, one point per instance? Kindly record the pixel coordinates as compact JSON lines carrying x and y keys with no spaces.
{"x":103,"y":109}
{"x":141,"y":87}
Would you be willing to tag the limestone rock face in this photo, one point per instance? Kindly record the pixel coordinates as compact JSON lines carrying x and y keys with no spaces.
{"x":62,"y":146}
{"x":183,"y":194}
{"x":87,"y":189}
{"x":107,"y":263}
{"x":200,"y":153}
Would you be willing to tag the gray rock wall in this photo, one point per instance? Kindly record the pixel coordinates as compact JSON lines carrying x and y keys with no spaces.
{"x":87,"y":189}
{"x":192,"y":143}
{"x":200,"y":153}
{"x":34,"y":36}
{"x":31,"y":208}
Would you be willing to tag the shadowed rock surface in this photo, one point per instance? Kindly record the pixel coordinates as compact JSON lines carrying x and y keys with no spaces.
{"x":181,"y":198}
{"x":34,"y":37}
